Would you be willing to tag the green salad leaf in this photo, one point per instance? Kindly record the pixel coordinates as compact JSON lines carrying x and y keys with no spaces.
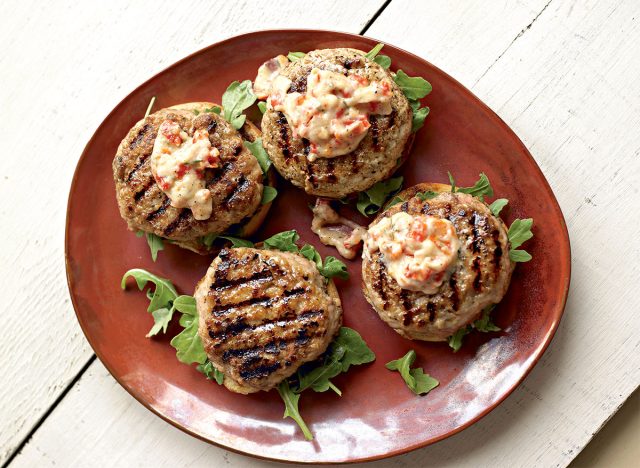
{"x":331,"y":267}
{"x":237,"y":242}
{"x":295,"y":56}
{"x":161,"y":300}
{"x":497,"y":205}
{"x":188,"y":345}
{"x":428,"y":195}
{"x":285,"y":241}
{"x":483,"y":324}
{"x":268,"y":194}
{"x":213,"y":110}
{"x":237,"y":98}
{"x":480,"y":189}
{"x":259,"y":153}
{"x":394,"y":201}
{"x":346,"y":350}
{"x":196,"y":112}
{"x":211,"y":372}
{"x":383,"y":60}
{"x":310,"y":252}
{"x":520,"y":232}
{"x":373,"y":52}
{"x":262,"y":106}
{"x":291,"y":399}
{"x":155,"y":244}
{"x":417,"y":381}
{"x":370,"y":201}
{"x":413,"y":87}
{"x":419,"y":114}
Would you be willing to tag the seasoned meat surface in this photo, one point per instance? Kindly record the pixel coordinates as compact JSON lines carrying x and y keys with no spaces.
{"x":236,"y":186}
{"x":478,"y":278}
{"x":263,"y":314}
{"x":378,"y":155}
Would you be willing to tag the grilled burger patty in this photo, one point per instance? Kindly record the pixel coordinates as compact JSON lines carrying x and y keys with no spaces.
{"x":480,"y":276}
{"x":263,"y":314}
{"x":378,"y":155}
{"x":236,"y":185}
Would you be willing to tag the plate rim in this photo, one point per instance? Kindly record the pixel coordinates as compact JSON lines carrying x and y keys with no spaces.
{"x":536,"y":355}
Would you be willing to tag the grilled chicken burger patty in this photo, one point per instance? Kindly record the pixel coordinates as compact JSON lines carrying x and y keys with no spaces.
{"x":382,"y":150}
{"x":478,"y":276}
{"x":264,"y":313}
{"x":235,"y":185}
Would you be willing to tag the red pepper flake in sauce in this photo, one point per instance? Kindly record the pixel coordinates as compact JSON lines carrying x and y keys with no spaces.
{"x":417,"y":250}
{"x":178,"y":164}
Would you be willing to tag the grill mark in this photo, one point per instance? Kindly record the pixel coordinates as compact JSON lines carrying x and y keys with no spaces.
{"x":267,"y":301}
{"x":404,"y":207}
{"x":240,"y":326}
{"x":497,"y":252}
{"x":141,"y":193}
{"x":140,"y":136}
{"x":299,"y":86}
{"x":138,"y":165}
{"x":378,"y":286}
{"x":253,"y":353}
{"x":259,"y":277}
{"x":406,"y":305}
{"x":392,"y":118}
{"x":182,"y":216}
{"x":431,"y":308}
{"x":455,"y":296}
{"x":211,"y":128}
{"x":241,"y":186}
{"x":219,"y":173}
{"x":285,"y":146}
{"x":475,"y":266}
{"x":154,"y":214}
{"x":355,"y":164}
{"x":375,"y":132}
{"x":478,"y":241}
{"x":259,"y":372}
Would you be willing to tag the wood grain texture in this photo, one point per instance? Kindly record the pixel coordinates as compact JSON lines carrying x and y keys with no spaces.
{"x":564,"y":75}
{"x":64,"y":66}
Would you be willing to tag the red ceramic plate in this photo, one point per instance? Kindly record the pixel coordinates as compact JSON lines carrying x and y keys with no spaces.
{"x":377,"y":415}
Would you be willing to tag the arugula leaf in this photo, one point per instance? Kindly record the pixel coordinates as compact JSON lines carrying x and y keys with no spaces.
{"x":346,"y":350}
{"x":309,"y":251}
{"x":455,"y":340}
{"x":331,"y":266}
{"x":155,"y":244}
{"x":213,"y":110}
{"x":209,"y":239}
{"x":334,"y":267}
{"x":295,"y":56}
{"x":397,"y":199}
{"x":451,"y":182}
{"x":428,"y":195}
{"x":413,"y":87}
{"x":196,"y":111}
{"x":211,"y":372}
{"x":373,"y":52}
{"x":419,"y":114}
{"x":417,"y":381}
{"x":237,"y":242}
{"x":187,"y":343}
{"x":383,"y":60}
{"x":497,"y":205}
{"x":160,"y":301}
{"x":484,"y":323}
{"x":259,"y":153}
{"x":268,"y":194}
{"x":520,"y":232}
{"x":285,"y":241}
{"x":370,"y":201}
{"x":480,"y":189}
{"x":290,"y":400}
{"x":262,"y":106}
{"x":235,"y":100}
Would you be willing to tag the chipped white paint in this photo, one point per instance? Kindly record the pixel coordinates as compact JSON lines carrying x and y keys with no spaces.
{"x":564,"y":75}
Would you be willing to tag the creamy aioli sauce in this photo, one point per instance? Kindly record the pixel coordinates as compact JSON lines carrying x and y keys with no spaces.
{"x":268,"y":72}
{"x":417,"y":250}
{"x":178,"y":163}
{"x":334,"y":112}
{"x":335,"y":230}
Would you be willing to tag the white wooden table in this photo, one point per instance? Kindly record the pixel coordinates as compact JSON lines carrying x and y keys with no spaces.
{"x":565,"y":75}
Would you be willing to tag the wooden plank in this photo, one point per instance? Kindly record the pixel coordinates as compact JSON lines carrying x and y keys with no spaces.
{"x":64,"y":66}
